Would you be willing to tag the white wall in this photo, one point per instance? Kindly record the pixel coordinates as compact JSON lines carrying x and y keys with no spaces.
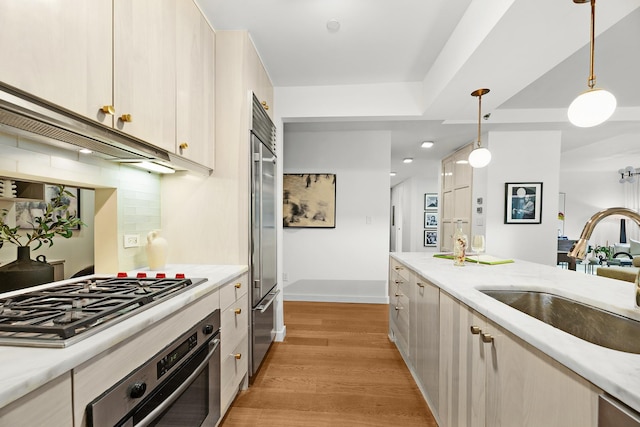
{"x":523,"y":157}
{"x":348,"y":263}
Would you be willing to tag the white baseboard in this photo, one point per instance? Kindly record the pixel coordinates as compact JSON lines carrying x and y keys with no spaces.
{"x":281,"y":334}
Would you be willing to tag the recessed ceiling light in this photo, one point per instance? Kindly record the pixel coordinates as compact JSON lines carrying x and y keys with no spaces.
{"x":407,"y":160}
{"x":392,"y":174}
{"x":427,"y":144}
{"x":85,"y":151}
{"x":462,"y":162}
{"x":333,"y":25}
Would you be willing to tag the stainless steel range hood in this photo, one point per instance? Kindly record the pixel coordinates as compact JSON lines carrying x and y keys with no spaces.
{"x":25,"y":114}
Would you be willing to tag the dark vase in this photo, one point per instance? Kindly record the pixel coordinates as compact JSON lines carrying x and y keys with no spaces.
{"x":25,"y":272}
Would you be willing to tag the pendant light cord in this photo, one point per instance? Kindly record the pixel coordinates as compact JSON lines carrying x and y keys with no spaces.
{"x":479,"y":117}
{"x":592,"y":78}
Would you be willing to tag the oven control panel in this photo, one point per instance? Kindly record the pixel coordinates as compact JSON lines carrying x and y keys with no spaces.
{"x":176,"y":354}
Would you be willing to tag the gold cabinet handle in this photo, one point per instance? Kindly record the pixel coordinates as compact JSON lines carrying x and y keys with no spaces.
{"x":126,"y":118}
{"x":399,"y":294}
{"x":237,"y":311}
{"x":487,"y":338}
{"x":238,"y":285}
{"x":420,"y":284}
{"x":264,"y":105}
{"x":183,"y":146}
{"x":398,"y":282}
{"x":398,"y":308}
{"x":238,"y":356}
{"x":475,"y":330}
{"x":398,"y":267}
{"x":108,"y":109}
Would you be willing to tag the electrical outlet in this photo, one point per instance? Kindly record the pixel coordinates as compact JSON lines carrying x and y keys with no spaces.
{"x":131,"y":240}
{"x":285,"y":277}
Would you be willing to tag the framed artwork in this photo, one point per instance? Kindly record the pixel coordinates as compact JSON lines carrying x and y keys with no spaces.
{"x":431,"y":237}
{"x":27,"y":211}
{"x":309,"y":200}
{"x":431,"y":202}
{"x":523,"y":203}
{"x":430,"y":219}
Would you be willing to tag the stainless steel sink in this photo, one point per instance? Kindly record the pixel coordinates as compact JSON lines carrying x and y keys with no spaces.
{"x":589,"y":323}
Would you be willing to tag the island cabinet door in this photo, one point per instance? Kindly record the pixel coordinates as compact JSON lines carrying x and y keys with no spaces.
{"x":525,"y":387}
{"x":489,"y":377}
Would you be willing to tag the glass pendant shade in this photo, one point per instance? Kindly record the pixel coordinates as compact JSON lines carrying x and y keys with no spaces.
{"x":591,"y":108}
{"x":479,"y":157}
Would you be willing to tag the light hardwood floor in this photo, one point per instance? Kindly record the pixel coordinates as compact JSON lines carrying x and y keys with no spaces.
{"x":336,"y":367}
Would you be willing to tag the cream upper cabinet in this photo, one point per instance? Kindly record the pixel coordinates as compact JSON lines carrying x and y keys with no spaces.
{"x":489,"y":377}
{"x":195,"y":110}
{"x":144,"y":64}
{"x":59,"y":50}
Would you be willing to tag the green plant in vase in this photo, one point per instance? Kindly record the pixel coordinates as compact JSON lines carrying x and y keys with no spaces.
{"x":55,"y":220}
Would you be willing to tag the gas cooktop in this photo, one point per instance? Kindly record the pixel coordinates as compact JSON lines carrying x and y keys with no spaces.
{"x":62,"y":315}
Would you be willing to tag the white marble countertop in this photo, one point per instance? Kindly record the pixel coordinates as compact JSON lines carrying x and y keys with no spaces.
{"x":615,"y":372}
{"x":24,"y":369}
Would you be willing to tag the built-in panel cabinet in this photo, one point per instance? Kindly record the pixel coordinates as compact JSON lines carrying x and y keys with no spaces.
{"x":457,"y":181}
{"x":145,"y":68}
{"x":489,"y":377}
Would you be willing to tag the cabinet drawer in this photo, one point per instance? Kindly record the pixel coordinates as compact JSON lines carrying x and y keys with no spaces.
{"x":400,"y":270}
{"x":234,"y":324}
{"x":232,"y":369}
{"x":231,"y":292}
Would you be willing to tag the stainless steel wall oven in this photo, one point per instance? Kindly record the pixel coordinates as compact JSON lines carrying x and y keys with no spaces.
{"x":179,"y":386}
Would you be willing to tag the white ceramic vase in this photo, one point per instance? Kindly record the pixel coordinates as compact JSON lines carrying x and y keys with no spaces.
{"x":156,"y":250}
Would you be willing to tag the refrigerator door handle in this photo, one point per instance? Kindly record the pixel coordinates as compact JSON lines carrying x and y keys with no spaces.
{"x":272,"y":296}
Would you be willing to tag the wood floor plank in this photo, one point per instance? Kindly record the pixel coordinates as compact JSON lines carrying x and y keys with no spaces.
{"x":336,"y":367}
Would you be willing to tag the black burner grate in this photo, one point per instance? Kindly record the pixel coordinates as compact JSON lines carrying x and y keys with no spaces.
{"x":64,"y":311}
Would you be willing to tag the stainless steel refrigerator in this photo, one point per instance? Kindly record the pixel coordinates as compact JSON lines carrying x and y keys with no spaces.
{"x":262,"y":234}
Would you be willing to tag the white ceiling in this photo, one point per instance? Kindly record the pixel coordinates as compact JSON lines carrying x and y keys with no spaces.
{"x":533,"y":55}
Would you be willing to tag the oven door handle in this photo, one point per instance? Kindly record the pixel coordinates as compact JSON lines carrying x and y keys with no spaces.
{"x":263,"y":307}
{"x":178,"y":392}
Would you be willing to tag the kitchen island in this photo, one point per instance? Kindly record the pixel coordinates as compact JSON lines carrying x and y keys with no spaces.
{"x":614,"y":372}
{"x":27,"y":369}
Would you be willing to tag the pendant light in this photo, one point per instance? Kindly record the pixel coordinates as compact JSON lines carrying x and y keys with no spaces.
{"x":480,"y":156}
{"x":595,"y":105}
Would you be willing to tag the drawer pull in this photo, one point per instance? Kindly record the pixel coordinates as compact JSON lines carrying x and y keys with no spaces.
{"x":398,"y":308}
{"x":398,"y":282}
{"x":487,"y":338}
{"x":126,"y":118}
{"x":238,"y":356}
{"x":238,"y":285}
{"x":398,"y":267}
{"x":420,"y":284}
{"x":399,"y":295}
{"x":475,"y":330}
{"x":237,"y":311}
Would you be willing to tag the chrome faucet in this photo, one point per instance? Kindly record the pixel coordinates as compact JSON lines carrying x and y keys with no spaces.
{"x":579,"y":249}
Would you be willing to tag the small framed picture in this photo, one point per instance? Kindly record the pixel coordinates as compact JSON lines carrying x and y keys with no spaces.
{"x":431,"y":237}
{"x":430,"y":219}
{"x":523,"y":203}
{"x":431,"y":202}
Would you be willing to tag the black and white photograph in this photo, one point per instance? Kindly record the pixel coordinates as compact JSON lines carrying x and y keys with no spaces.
{"x":431,"y":202}
{"x":309,"y":200}
{"x":26,"y":212}
{"x":431,"y":237}
{"x":430,"y":219}
{"x":523,"y":203}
